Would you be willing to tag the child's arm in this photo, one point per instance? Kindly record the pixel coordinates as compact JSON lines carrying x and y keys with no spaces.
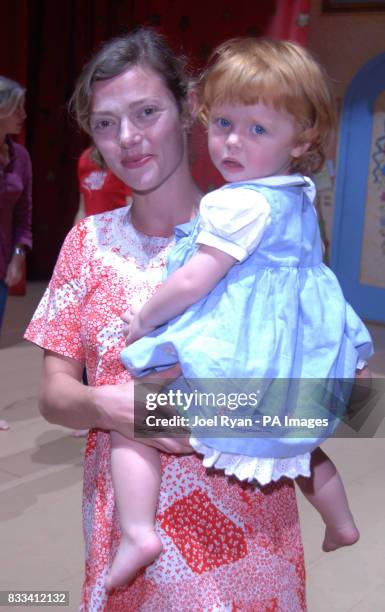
{"x":183,"y":288}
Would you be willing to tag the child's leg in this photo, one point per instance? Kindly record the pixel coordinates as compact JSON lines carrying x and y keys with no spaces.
{"x":325,"y":491}
{"x":136,"y":478}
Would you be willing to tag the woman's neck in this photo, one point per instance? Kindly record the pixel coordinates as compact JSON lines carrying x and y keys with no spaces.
{"x":177,"y":201}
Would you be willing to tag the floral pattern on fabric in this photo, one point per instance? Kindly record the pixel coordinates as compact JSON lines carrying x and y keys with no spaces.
{"x":227,"y":546}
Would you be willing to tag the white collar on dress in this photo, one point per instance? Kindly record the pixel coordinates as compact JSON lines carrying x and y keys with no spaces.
{"x":286,"y":180}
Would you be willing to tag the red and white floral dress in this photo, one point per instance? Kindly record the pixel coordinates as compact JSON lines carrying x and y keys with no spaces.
{"x":227,"y":546}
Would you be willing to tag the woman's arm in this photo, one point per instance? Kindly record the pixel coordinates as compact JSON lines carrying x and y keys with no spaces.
{"x":22,"y":212}
{"x":21,"y":221}
{"x":14,"y":271}
{"x":64,"y":400}
{"x":183,"y":288}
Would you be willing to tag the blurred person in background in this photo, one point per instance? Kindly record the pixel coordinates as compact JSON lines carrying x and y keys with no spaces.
{"x":100,"y":190}
{"x":15,"y":192}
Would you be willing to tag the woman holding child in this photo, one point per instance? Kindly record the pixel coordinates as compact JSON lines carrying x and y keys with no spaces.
{"x":226,"y":545}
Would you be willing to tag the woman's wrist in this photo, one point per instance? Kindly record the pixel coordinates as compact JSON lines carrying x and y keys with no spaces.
{"x":100,"y":399}
{"x":113,"y":408}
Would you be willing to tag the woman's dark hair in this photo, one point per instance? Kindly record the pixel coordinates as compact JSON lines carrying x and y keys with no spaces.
{"x":142,"y":46}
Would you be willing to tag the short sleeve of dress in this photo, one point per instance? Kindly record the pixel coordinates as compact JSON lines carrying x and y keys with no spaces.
{"x":233,"y":220}
{"x":56,"y":322}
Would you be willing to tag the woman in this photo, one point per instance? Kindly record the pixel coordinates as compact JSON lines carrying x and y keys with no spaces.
{"x":15,"y":192}
{"x":226,"y":546}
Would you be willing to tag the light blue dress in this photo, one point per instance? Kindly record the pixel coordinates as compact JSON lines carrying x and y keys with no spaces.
{"x":278,"y":319}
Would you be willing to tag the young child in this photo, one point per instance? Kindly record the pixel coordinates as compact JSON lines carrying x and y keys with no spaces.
{"x":247,"y":294}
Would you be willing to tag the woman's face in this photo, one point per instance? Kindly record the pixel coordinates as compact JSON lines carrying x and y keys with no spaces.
{"x":136,"y":126}
{"x":13,"y":123}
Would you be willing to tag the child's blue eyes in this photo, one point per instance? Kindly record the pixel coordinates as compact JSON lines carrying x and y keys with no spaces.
{"x":258,"y":130}
{"x":222,"y":122}
{"x":225,"y":124}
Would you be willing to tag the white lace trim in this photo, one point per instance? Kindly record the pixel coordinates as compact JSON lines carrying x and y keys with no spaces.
{"x":262,"y":469}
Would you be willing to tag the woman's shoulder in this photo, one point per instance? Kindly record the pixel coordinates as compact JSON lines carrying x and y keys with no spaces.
{"x":20,"y":151}
{"x":116,"y":217}
{"x":99,"y":228}
{"x":89,"y":243}
{"x":112,"y":231}
{"x":20,"y":154}
{"x":20,"y":148}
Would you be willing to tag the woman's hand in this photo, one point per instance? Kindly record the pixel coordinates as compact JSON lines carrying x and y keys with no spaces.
{"x":122,"y":409}
{"x":14,"y":270}
{"x":64,"y":400}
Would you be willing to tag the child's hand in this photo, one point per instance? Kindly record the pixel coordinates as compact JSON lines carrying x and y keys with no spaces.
{"x":135,"y":327}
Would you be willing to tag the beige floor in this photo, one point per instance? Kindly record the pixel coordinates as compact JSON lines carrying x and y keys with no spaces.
{"x":40,"y":493}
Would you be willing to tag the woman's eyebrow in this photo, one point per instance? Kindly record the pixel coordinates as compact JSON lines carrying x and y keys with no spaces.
{"x":101,"y":112}
{"x":133,"y":104}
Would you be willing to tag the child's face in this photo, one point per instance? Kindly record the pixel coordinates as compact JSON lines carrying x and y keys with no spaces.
{"x":252,"y":141}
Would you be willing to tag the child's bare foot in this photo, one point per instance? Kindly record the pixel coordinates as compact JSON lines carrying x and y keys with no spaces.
{"x":336,"y":537}
{"x":132,"y":555}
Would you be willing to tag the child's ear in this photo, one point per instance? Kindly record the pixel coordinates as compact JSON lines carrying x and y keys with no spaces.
{"x":300,"y":149}
{"x":305,"y":140}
